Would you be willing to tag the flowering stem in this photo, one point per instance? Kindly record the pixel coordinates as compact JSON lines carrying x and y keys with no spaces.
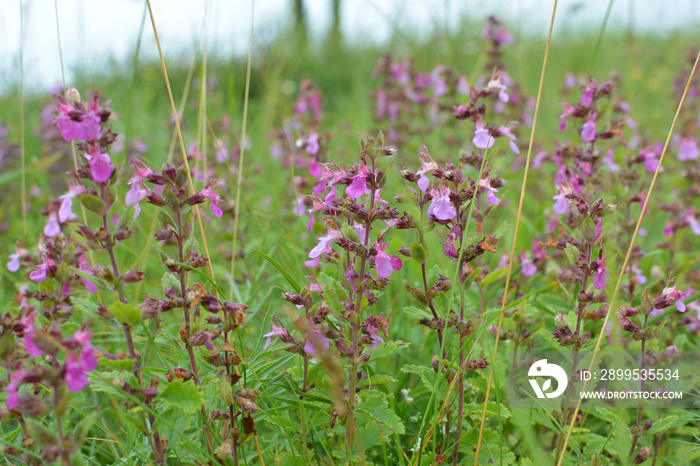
{"x":186,"y":312}
{"x":354,"y":329}
{"x":577,"y":346}
{"x":109,"y":245}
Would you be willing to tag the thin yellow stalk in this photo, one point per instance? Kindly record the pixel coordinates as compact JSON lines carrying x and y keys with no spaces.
{"x":179,"y":136}
{"x":21,"y":122}
{"x":515,"y":235}
{"x":627,"y":257}
{"x":242,"y":150}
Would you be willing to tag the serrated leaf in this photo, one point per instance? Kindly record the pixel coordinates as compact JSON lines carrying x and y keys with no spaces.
{"x":169,"y":282}
{"x":185,"y":396}
{"x":127,"y":314}
{"x":376,"y":405}
{"x":416,"y":314}
{"x":662,"y":424}
{"x":386,"y":349}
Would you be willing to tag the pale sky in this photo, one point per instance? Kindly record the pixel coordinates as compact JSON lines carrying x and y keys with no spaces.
{"x":95,"y":30}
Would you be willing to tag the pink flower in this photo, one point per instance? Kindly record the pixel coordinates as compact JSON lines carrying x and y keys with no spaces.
{"x":562,"y":204}
{"x":614,"y":338}
{"x":490,"y":197}
{"x":135,"y":195}
{"x":568,"y":110}
{"x":450,"y":248}
{"x":639,"y":275}
{"x":609,"y":160}
{"x":674,"y":294}
{"x":386,"y":264}
{"x":462,"y":85}
{"x":39,"y":274}
{"x":29,"y":330}
{"x":52,"y":228}
{"x":209,"y":193}
{"x":588,"y":130}
{"x":275,"y":331}
{"x":80,"y":126}
{"x":688,"y":149}
{"x":359,"y":183}
{"x":482,"y":137}
{"x":311,"y":144}
{"x":441,"y":207}
{"x":77,"y":368}
{"x":689,"y":217}
{"x":323,"y":247}
{"x":12,"y":388}
{"x":508,"y":131}
{"x":76,"y":378}
{"x":100,"y":167}
{"x":13,"y":264}
{"x":426,"y":167}
{"x":650,"y":156}
{"x":601,"y":276}
{"x":495,"y":83}
{"x":587,"y":97}
{"x":315,"y":344}
{"x":66,"y":212}
{"x":527,"y":267}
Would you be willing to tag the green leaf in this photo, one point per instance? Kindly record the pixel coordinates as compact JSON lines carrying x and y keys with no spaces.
{"x":662,"y":424}
{"x":117,"y":364}
{"x":572,"y":253}
{"x":494,"y":276}
{"x":184,"y":396}
{"x":92,"y":203}
{"x":127,"y":314}
{"x":419,"y":253}
{"x":281,"y":269}
{"x":387,"y":349}
{"x":416,"y":313}
{"x":169,"y":282}
{"x":376,"y":405}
